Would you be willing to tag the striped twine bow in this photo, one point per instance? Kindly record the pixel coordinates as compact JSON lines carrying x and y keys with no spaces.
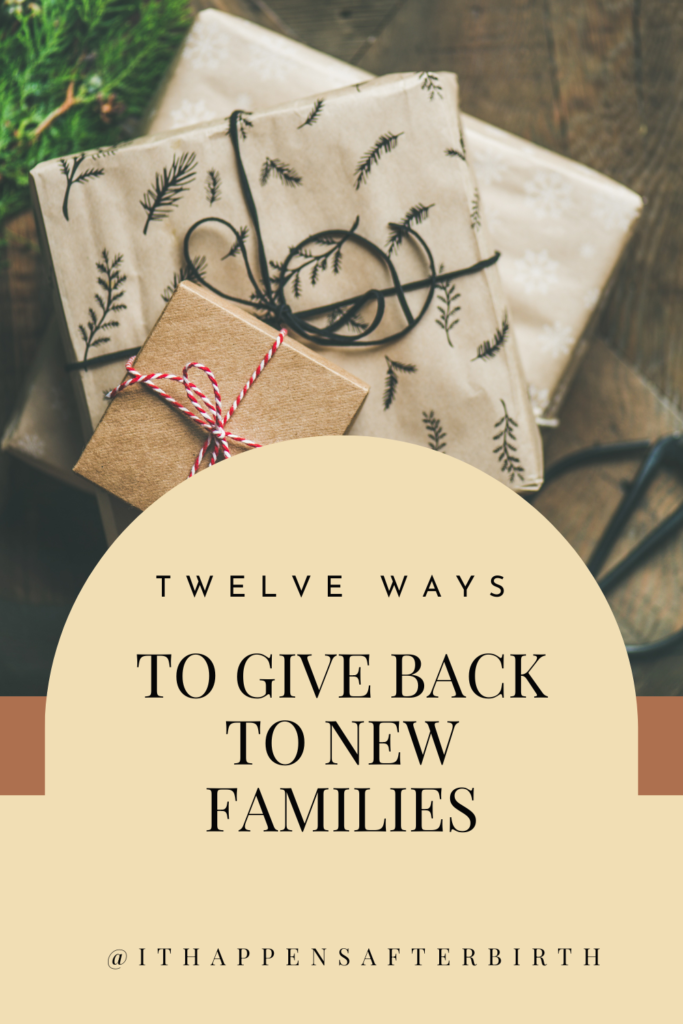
{"x":208,"y":415}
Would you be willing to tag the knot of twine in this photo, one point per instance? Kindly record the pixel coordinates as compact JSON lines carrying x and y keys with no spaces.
{"x":208,"y":415}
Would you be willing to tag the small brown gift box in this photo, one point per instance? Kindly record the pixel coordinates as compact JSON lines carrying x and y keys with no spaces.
{"x":144,"y":446}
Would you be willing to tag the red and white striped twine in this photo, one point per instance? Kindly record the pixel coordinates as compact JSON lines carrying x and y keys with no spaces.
{"x":208,"y":415}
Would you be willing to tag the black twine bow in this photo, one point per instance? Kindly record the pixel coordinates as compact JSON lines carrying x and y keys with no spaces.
{"x":268,"y":298}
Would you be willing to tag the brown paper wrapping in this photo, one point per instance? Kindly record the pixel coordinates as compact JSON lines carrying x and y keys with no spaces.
{"x":144,"y":446}
{"x":536,"y":202}
{"x":560,"y":225}
{"x":121,"y":244}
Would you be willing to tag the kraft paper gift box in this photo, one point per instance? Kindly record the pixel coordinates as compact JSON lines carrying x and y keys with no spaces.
{"x":144,"y":446}
{"x":560,"y":226}
{"x":357,"y":192}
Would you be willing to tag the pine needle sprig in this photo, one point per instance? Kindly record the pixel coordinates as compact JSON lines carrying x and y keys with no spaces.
{"x":475,"y":211}
{"x":238,"y":244}
{"x":213,"y":186}
{"x":391,"y":379}
{"x":69,"y":169}
{"x":435,"y":432}
{"x":431,"y":83}
{"x":397,"y":232}
{"x":490,"y":349}
{"x":456,"y":152}
{"x":287,"y":175}
{"x":385,"y":144}
{"x":169,"y":187}
{"x":243,"y":123}
{"x":314,"y":114}
{"x":506,"y":450}
{"x":314,"y":262}
{"x":446,"y":305}
{"x":111,"y":282}
{"x":355,"y":323}
{"x":76,"y":75}
{"x":195,"y":271}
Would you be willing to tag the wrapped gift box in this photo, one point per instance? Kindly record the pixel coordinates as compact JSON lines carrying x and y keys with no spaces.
{"x":560,"y":226}
{"x":144,"y":446}
{"x":340,"y":186}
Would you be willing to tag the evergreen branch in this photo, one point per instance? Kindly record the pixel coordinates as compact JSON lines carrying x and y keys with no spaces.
{"x":314,"y":114}
{"x":391,"y":379}
{"x":195,"y":271}
{"x":435,"y":432}
{"x":506,"y":451}
{"x":213,"y":186}
{"x":65,"y":105}
{"x":236,"y":246}
{"x":397,"y":232}
{"x":169,"y":187}
{"x":76,"y":75}
{"x":111,"y":282}
{"x":475,"y":212}
{"x":430,"y":82}
{"x":385,"y":144}
{"x":489,"y":349}
{"x":447,"y":318}
{"x":287,"y":175}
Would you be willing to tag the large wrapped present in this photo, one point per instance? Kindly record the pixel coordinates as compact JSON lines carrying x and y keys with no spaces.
{"x":352,"y":218}
{"x":560,"y":226}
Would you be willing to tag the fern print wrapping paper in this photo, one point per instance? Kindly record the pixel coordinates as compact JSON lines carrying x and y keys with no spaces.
{"x":368,"y":156}
{"x":560,"y":226}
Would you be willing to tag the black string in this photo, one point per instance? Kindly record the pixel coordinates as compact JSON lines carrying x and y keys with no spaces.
{"x":268,"y":300}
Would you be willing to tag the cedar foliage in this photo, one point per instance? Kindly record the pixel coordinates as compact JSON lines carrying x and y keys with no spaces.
{"x":75,"y":75}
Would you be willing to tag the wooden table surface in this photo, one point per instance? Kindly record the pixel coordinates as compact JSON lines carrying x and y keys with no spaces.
{"x":601,"y":82}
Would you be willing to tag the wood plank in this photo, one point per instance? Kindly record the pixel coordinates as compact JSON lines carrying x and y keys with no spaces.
{"x":498,"y":50}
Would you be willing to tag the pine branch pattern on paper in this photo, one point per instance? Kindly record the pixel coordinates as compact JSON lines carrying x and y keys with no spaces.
{"x":169,"y":187}
{"x":385,"y":144}
{"x":243,"y":123}
{"x":188,"y":272}
{"x":446,"y":305}
{"x":238,"y":244}
{"x":391,"y":379}
{"x":111,"y":282}
{"x":315,"y":263}
{"x":397,"y":232}
{"x":462,"y":152}
{"x":213,"y":186}
{"x":506,"y":450}
{"x":475,"y":211}
{"x":69,"y":169}
{"x":354,"y":322}
{"x":431,"y":83}
{"x":314,"y":114}
{"x":435,"y":432}
{"x":490,"y":349}
{"x":287,"y":175}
